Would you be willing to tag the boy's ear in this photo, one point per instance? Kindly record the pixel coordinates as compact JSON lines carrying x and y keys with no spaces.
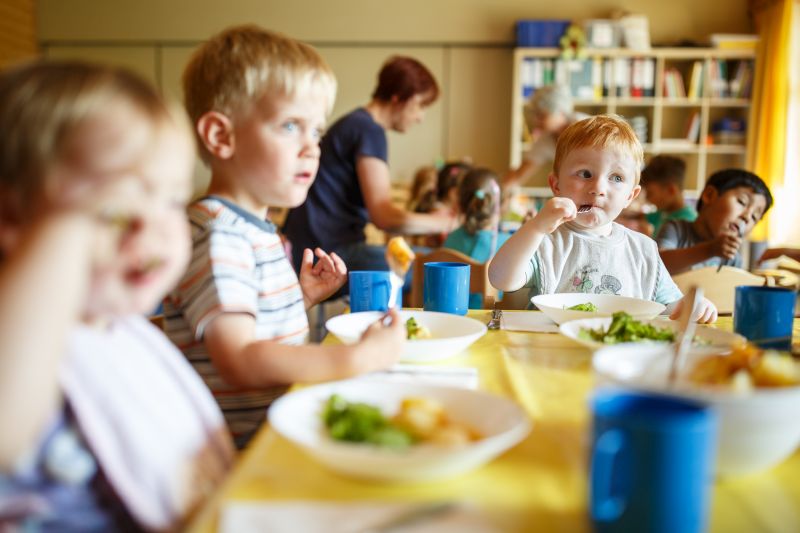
{"x":552,"y":179}
{"x":709,"y":194}
{"x":637,"y":189}
{"x":216,"y":131}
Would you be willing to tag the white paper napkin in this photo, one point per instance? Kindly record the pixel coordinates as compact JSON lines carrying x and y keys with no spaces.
{"x":451,"y":376}
{"x":328,"y":517}
{"x":534,"y":321}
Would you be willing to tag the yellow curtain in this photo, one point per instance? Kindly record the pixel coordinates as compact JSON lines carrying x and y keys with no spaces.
{"x":768,"y":117}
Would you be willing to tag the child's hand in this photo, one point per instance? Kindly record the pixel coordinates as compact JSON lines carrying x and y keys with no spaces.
{"x":385,"y":340}
{"x":323,"y":279}
{"x":705,"y":313}
{"x":726,"y":245}
{"x":555,"y":212}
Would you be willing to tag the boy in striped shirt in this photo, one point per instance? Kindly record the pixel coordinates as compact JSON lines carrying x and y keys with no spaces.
{"x":259,"y":102}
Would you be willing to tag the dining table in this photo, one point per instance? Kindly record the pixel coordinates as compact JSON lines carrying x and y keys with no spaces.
{"x":541,"y":484}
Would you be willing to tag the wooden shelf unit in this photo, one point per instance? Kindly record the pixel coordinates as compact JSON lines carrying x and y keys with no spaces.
{"x":667,"y":115}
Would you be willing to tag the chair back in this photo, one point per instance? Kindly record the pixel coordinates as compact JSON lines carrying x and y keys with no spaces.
{"x":478,"y":275}
{"x":719,"y":287}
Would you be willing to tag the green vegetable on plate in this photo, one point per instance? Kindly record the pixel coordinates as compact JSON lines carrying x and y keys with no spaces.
{"x":624,"y":328}
{"x":362,"y":423}
{"x":588,"y":307}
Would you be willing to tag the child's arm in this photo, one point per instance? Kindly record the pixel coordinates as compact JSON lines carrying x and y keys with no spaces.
{"x":679,"y":259}
{"x":245,"y":362}
{"x":774,"y":253}
{"x":43,"y":284}
{"x":507,"y":269}
{"x":375,"y":182}
{"x":323,"y":279}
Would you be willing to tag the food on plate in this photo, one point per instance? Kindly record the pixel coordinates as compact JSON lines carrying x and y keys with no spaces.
{"x":415,"y":331}
{"x":624,"y":328}
{"x":399,"y":255}
{"x":747,"y":367}
{"x":361,"y":422}
{"x":419,"y":420}
{"x":589,"y":307}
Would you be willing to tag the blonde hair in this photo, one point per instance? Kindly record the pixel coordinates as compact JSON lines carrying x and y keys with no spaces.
{"x":233,"y":69}
{"x":600,"y":131}
{"x":43,"y":104}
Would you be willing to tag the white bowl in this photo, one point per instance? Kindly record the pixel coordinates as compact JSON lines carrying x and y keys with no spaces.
{"x":450,"y":334}
{"x":555,"y":306}
{"x":757,"y":429}
{"x":707,"y":339}
{"x":298,"y":417}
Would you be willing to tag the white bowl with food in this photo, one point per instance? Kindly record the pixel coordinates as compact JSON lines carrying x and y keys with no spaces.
{"x":491,"y":424}
{"x":758,"y":425}
{"x":441,"y":336}
{"x":563,"y":307}
{"x":596,"y":333}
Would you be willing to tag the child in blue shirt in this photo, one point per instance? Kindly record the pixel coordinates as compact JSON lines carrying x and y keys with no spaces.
{"x":479,"y":204}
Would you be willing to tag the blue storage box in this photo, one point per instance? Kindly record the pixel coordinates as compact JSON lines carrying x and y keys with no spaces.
{"x":541,"y":33}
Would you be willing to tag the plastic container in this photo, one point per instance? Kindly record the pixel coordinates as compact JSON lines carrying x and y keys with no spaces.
{"x":541,"y":33}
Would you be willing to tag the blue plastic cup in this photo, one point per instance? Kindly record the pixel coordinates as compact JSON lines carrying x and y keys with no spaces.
{"x":369,"y":290}
{"x":652,"y":463}
{"x":765,"y":315}
{"x":445,"y":287}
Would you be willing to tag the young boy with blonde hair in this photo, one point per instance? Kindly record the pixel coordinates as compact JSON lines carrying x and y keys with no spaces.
{"x":573,"y":243}
{"x":259,"y":101}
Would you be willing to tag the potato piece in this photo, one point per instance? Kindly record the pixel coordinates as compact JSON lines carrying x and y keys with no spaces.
{"x":776,"y":370}
{"x":451,"y":435}
{"x":420,"y":416}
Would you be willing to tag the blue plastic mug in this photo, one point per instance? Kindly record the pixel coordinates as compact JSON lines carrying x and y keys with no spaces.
{"x":369,"y":290}
{"x":765,"y":315}
{"x":652,"y":463}
{"x":445,"y":287}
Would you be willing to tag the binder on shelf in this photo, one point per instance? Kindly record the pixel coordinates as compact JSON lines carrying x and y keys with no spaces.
{"x":649,"y":77}
{"x":693,"y":128}
{"x":696,"y":81}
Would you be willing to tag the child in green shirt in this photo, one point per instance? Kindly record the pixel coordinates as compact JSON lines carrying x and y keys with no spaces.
{"x":662,"y":181}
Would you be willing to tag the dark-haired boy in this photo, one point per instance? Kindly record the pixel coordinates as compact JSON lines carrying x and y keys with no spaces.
{"x":662,"y":182}
{"x":732,"y":203}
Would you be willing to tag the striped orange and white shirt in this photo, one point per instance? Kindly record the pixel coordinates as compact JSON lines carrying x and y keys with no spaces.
{"x":238,"y":266}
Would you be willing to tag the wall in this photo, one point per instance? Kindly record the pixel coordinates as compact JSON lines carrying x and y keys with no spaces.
{"x":17,"y":31}
{"x":466,"y":44}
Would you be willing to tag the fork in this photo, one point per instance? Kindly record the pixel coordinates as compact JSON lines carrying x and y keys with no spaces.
{"x":584,"y":208}
{"x":497,"y":316}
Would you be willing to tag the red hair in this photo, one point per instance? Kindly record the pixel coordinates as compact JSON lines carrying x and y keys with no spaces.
{"x":404,"y":77}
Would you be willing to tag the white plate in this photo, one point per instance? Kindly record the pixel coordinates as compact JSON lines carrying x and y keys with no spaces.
{"x":501,"y":422}
{"x":707,"y":339}
{"x":450,"y":334}
{"x":555,"y":306}
{"x":757,"y":429}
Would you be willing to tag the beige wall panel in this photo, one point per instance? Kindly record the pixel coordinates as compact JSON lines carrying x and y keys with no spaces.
{"x":348,"y":21}
{"x":357,"y":69}
{"x":479,"y":88}
{"x":140,"y":59}
{"x":173,"y":61}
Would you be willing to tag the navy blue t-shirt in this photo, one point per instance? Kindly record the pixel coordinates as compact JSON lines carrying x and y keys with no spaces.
{"x":334,"y":214}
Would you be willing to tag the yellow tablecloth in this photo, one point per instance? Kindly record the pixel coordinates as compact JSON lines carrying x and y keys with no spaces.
{"x":541,"y":484}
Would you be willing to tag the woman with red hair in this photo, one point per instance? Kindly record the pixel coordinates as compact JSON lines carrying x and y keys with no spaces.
{"x":353,"y":183}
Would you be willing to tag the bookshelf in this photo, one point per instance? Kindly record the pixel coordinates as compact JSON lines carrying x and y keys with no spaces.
{"x":680,"y":96}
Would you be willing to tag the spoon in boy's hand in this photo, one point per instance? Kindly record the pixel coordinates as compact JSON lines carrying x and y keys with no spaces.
{"x":399,"y":256}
